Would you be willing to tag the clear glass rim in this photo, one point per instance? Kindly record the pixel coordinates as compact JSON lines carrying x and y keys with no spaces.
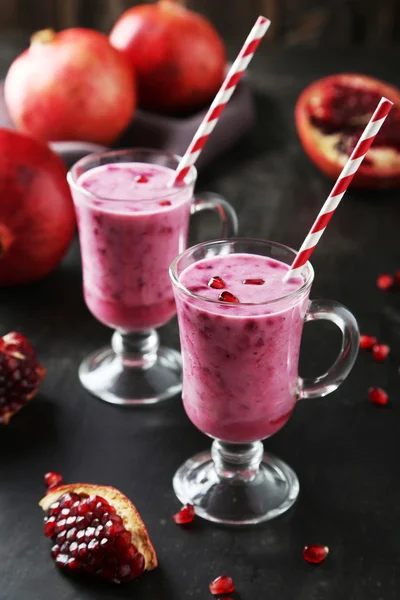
{"x":72,"y":175}
{"x":175,"y":278}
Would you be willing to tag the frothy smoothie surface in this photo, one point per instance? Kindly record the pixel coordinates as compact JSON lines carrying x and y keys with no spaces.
{"x":250,"y":278}
{"x":130,"y":181}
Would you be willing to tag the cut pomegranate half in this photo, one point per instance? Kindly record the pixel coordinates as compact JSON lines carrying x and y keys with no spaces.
{"x":331,"y":114}
{"x":20,"y":374}
{"x":97,"y":530}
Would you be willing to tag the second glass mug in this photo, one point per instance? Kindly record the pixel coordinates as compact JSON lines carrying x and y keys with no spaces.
{"x":126,"y":252}
{"x":241,"y":383}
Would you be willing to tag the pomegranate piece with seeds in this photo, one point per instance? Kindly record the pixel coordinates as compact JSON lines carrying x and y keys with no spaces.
{"x":378,"y":396}
{"x":52,"y":479}
{"x":315,"y":553}
{"x":20,"y":374}
{"x":185,"y":515}
{"x":217,"y":283}
{"x":367,"y":342}
{"x":222,"y":585}
{"x":228,"y":297}
{"x":97,"y":530}
{"x":331,"y":114}
{"x":385,"y":282}
{"x":380,"y":352}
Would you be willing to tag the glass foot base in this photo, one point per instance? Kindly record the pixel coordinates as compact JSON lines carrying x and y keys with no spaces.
{"x":108,"y":377}
{"x":236,"y":500}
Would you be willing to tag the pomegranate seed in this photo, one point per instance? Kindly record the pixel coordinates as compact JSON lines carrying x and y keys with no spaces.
{"x":185,"y":515}
{"x":367,"y":342}
{"x":378,"y":396}
{"x":380,"y":352}
{"x":52,"y":479}
{"x":222,"y":585}
{"x":165,"y":203}
{"x":385,"y":281}
{"x":397,"y":277}
{"x":315,"y":553}
{"x":141,"y":179}
{"x":228,"y":297}
{"x":217,"y":283}
{"x":89,"y":536}
{"x":49,"y":526}
{"x":253,"y":281}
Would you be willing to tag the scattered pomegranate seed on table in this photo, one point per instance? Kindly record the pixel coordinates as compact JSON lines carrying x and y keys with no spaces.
{"x":217,"y":283}
{"x":53,"y":479}
{"x":222,"y":585}
{"x":315,"y":553}
{"x":380,"y":352}
{"x":378,"y":396}
{"x":253,"y":281}
{"x":367,"y":342}
{"x":397,"y":277}
{"x":185,"y":515}
{"x":228,"y":297}
{"x":385,"y":281}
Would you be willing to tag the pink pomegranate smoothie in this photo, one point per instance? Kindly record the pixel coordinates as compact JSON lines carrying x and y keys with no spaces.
{"x":240,"y":361}
{"x":129,"y":234}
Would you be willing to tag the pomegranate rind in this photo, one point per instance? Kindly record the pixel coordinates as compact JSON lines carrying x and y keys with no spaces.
{"x":321,"y":148}
{"x":125,"y":509}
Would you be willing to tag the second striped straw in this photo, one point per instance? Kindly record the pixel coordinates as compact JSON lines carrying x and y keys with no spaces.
{"x":340,"y":187}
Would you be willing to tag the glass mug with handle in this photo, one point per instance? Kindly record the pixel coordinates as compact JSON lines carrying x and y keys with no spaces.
{"x":132,"y":222}
{"x":240,"y":328}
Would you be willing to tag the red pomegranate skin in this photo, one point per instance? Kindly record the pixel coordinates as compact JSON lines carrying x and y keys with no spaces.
{"x":37,"y":220}
{"x":71,"y":85}
{"x":178,"y":56}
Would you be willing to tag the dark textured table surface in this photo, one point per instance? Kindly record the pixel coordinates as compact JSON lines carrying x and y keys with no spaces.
{"x":344,"y":450}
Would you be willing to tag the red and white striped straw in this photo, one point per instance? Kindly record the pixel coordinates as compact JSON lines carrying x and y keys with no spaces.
{"x":221,"y":99}
{"x":340,"y":187}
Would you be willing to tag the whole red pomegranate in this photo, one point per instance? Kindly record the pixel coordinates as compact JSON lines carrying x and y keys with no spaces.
{"x":331,"y":114}
{"x":37,"y":220}
{"x":71,"y":85}
{"x":178,"y":56}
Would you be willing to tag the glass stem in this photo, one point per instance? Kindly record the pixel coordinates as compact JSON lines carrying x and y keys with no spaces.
{"x":137,"y":349}
{"x":237,"y":461}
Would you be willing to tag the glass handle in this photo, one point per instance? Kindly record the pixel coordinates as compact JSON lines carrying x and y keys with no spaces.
{"x":225,"y":212}
{"x":330,"y":381}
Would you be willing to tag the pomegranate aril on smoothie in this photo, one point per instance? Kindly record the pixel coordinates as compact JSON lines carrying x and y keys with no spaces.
{"x":228,"y":297}
{"x":141,"y":179}
{"x":258,"y":281}
{"x":165,"y":203}
{"x":217,"y":283}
